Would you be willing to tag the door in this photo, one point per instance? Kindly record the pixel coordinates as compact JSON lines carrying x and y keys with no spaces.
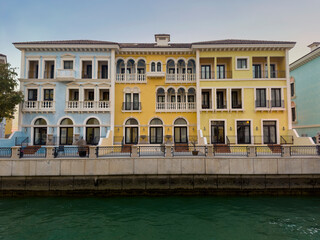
{"x":243,"y":132}
{"x":205,"y":100}
{"x":217,"y":132}
{"x":180,"y":135}
{"x":104,"y":71}
{"x":269,"y":132}
{"x":89,"y":71}
{"x":156,"y":135}
{"x":220,"y":100}
{"x":92,"y":135}
{"x":131,"y":135}
{"x":40,"y":136}
{"x":135,"y":101}
{"x":256,"y":71}
{"x":66,"y":135}
{"x":221,"y":72}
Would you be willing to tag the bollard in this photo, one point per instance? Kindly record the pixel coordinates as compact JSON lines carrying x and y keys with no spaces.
{"x":92,"y":152}
{"x":168,"y":150}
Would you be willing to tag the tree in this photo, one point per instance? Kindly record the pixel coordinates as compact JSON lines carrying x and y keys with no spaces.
{"x":9,"y":96}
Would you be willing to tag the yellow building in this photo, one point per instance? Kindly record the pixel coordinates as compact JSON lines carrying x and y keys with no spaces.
{"x":218,"y":92}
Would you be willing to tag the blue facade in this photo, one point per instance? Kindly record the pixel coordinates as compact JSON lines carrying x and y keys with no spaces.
{"x":53,"y":118}
{"x":307,"y":88}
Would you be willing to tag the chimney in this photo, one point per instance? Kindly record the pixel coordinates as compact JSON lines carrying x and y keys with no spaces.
{"x":314,"y":45}
{"x":162,"y":39}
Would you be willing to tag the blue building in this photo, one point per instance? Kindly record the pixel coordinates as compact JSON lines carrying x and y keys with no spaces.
{"x":68,"y":91}
{"x":305,"y":89}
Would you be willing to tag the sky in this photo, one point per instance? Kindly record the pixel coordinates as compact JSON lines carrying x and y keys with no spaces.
{"x":139,"y":20}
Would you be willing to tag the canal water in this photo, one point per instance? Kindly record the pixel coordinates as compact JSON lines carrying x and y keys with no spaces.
{"x":160,"y":218}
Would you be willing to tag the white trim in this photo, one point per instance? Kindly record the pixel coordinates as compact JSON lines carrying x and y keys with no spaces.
{"x":225,"y":129}
{"x":236,"y":132}
{"x":248,"y":63}
{"x":277,"y":130}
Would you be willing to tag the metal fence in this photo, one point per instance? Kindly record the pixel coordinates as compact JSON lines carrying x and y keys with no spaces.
{"x":269,"y":150}
{"x":187,"y":150}
{"x":225,"y":150}
{"x":152,"y":151}
{"x":5,"y":152}
{"x":114,"y":151}
{"x":33,"y":152}
{"x":70,"y":151}
{"x":305,"y":150}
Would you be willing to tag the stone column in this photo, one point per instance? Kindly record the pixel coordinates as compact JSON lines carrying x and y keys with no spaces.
{"x":252,"y":151}
{"x":15,"y":152}
{"x":286,"y":151}
{"x":134,"y":153}
{"x":92,"y":152}
{"x":50,"y":151}
{"x":210,"y":150}
{"x":168,"y":150}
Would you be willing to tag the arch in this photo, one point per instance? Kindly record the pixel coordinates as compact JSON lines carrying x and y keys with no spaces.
{"x":120,"y":65}
{"x":172,"y":59}
{"x":40,"y":121}
{"x":88,"y":118}
{"x":66,"y":121}
{"x":181,"y":90}
{"x":156,"y":121}
{"x":131,"y":121}
{"x":127,"y":90}
{"x":160,"y":90}
{"x":129,"y":59}
{"x":92,"y":121}
{"x":159,"y":67}
{"x":180,"y":121}
{"x":153,"y":67}
{"x":171,"y":90}
{"x":171,"y":64}
{"x":141,"y":63}
{"x":136,"y":90}
{"x":191,"y":90}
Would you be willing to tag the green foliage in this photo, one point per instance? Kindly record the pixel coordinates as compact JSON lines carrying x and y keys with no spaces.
{"x":9,"y":97}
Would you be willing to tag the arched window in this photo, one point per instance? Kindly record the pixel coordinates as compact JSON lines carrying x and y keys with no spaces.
{"x":40,"y":121}
{"x":159,"y":67}
{"x":66,"y":121}
{"x":156,"y":121}
{"x":191,"y":95}
{"x":92,"y":121}
{"x":131,"y":121}
{"x":153,"y":67}
{"x":180,"y":121}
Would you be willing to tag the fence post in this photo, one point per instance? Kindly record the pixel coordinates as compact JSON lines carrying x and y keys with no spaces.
{"x":15,"y":152}
{"x":134,"y":149}
{"x":168,"y":150}
{"x":49,"y":150}
{"x":286,"y":151}
{"x":210,"y":150}
{"x":92,"y":152}
{"x":252,"y":151}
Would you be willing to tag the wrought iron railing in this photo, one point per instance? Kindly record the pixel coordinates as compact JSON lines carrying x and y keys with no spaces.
{"x":33,"y":152}
{"x":152,"y":151}
{"x":270,"y":150}
{"x":21,"y":141}
{"x":71,"y":151}
{"x":188,"y":150}
{"x":305,"y":150}
{"x":286,"y":139}
{"x":114,"y":151}
{"x":5,"y":152}
{"x":227,"y":150}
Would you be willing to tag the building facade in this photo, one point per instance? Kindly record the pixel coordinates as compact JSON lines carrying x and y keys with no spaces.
{"x":217,"y":92}
{"x":305,"y":85}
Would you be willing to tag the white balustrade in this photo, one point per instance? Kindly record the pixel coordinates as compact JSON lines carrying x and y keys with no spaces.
{"x":176,"y":106}
{"x":87,"y":105}
{"x":65,"y":73}
{"x":39,"y":106}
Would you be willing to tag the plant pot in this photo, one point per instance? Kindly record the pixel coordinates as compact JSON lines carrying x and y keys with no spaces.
{"x":83,"y":153}
{"x":195,"y":153}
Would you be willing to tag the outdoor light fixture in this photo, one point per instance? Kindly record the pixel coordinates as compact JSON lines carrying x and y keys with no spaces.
{"x":204,"y":128}
{"x":283,"y":128}
{"x":230,"y":128}
{"x":256,"y":128}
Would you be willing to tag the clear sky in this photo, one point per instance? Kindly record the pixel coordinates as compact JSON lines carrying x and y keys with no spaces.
{"x":138,"y":21}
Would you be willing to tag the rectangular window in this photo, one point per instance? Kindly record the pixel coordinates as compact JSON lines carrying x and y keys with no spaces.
{"x":273,"y":71}
{"x":221,"y":70}
{"x":293,"y":112}
{"x":32,"y":94}
{"x":242,"y":63}
{"x":128,"y":101}
{"x":205,"y":72}
{"x":136,"y":101}
{"x":236,"y":99}
{"x":257,"y":71}
{"x":243,"y":132}
{"x":292,"y":89}
{"x":261,"y":97}
{"x":67,"y":64}
{"x":221,"y":99}
{"x":48,"y":95}
{"x":276,"y":97}
{"x":205,"y":100}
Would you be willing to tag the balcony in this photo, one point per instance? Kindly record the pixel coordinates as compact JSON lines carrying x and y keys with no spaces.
{"x":131,"y":106}
{"x":87,"y":106}
{"x":131,"y":78}
{"x":269,"y":104}
{"x":180,"y":78}
{"x":65,"y":74}
{"x":38,"y":106}
{"x":176,"y":106}
{"x":221,"y":105}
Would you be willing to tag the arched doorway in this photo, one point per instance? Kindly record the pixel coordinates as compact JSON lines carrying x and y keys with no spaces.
{"x":40,"y":132}
{"x":131,"y":131}
{"x":93,"y":131}
{"x":180,"y":131}
{"x":156,"y":131}
{"x":66,"y":132}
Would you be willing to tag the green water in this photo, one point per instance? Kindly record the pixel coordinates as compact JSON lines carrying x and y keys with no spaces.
{"x":160,"y":218}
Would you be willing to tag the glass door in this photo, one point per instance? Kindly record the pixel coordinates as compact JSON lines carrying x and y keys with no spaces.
{"x":180,"y":135}
{"x":131,"y":135}
{"x":269,"y":132}
{"x":40,"y":136}
{"x":66,"y":135}
{"x":217,"y":132}
{"x":243,"y":132}
{"x":156,"y":135}
{"x":93,"y":135}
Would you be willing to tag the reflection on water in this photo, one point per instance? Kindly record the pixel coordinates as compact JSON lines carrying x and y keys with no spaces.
{"x":160,"y":218}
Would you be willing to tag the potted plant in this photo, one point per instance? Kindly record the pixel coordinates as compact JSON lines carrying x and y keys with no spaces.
{"x":82,"y":148}
{"x":194,"y":151}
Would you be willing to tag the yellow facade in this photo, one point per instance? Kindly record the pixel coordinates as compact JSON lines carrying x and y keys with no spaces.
{"x":245,"y":81}
{"x":147,"y":94}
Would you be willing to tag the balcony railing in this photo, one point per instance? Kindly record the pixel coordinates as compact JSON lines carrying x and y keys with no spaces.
{"x":276,"y":103}
{"x":131,"y":106}
{"x":48,"y":75}
{"x":277,"y":74}
{"x":207,"y":75}
{"x":39,"y":106}
{"x":189,"y":77}
{"x":86,"y":75}
{"x":33,"y":74}
{"x":65,"y":73}
{"x":259,"y":74}
{"x":131,"y":77}
{"x":175,"y":106}
{"x":88,"y":106}
{"x":224,"y":75}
